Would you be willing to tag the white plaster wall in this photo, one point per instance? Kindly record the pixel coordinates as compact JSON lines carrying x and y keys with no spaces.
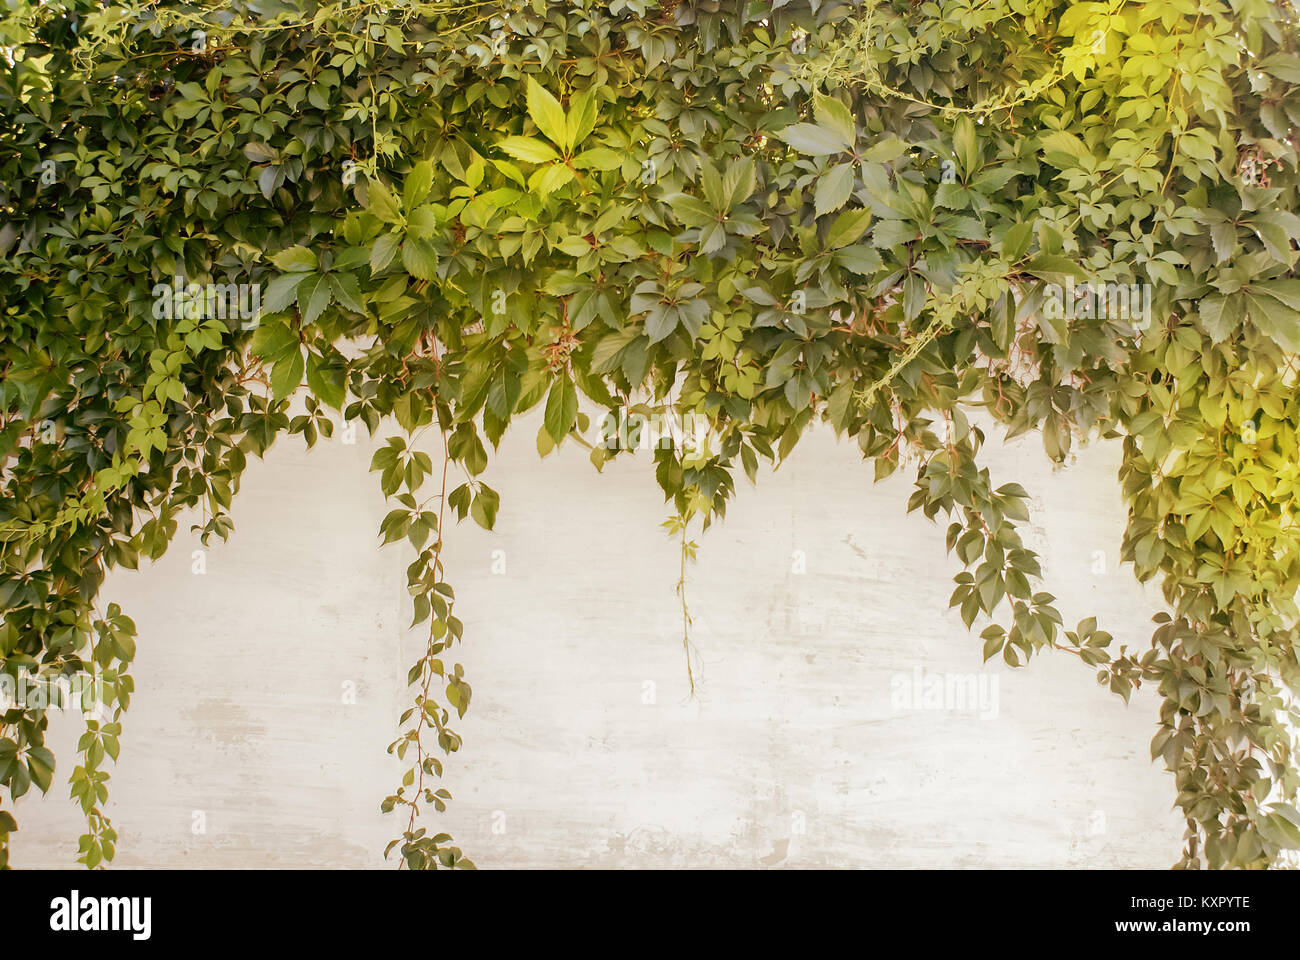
{"x":791,"y":754}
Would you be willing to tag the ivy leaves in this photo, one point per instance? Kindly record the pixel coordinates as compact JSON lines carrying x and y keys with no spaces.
{"x":313,"y":287}
{"x":549,"y":116}
{"x":719,"y":215}
{"x":833,"y":132}
{"x":668,"y":305}
{"x":413,"y":223}
{"x":303,"y":283}
{"x":804,"y":239}
{"x":561,"y":409}
{"x":836,"y":132}
{"x":1273,"y":306}
{"x":565,"y":131}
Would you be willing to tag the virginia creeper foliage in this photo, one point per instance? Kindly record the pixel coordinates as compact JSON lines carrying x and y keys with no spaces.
{"x":768,"y":214}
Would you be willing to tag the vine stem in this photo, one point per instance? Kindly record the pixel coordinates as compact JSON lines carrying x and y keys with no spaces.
{"x":428,"y":652}
{"x":686,"y":615}
{"x":678,"y":525}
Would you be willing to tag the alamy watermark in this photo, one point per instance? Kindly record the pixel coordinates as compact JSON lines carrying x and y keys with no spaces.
{"x":1130,"y":302}
{"x":689,"y":432}
{"x":956,"y":692}
{"x":57,"y":693}
{"x":208,"y":301}
{"x":75,"y":913}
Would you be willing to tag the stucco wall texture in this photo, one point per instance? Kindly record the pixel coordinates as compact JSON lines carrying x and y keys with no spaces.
{"x":269,"y":686}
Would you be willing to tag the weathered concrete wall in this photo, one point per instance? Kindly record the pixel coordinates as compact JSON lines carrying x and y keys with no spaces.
{"x":794,"y":752}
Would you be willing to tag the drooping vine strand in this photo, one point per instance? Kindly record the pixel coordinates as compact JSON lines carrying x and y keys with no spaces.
{"x":676,"y":526}
{"x":434,"y":600}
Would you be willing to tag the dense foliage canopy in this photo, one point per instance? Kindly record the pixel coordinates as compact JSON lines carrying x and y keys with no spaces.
{"x":909,"y":219}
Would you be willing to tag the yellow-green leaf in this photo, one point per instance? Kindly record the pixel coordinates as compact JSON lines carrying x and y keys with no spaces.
{"x":547,"y":113}
{"x":528,"y":149}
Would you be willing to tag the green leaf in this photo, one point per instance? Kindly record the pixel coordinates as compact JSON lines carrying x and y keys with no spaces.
{"x":1221,"y":315}
{"x":605,"y":357}
{"x":861,"y":258}
{"x":813,"y":140}
{"x":346,"y":291}
{"x":561,"y":409}
{"x":848,"y":227}
{"x":325,"y":383}
{"x":893,"y":233}
{"x":964,"y":145}
{"x":267,"y":179}
{"x":549,"y":179}
{"x":994,"y":637}
{"x":485,"y":506}
{"x":384,"y":249}
{"x":529,"y":150}
{"x":1276,"y":828}
{"x":282,"y":292}
{"x":1273,"y":317}
{"x":418,"y":184}
{"x":272,"y":341}
{"x":598,"y":158}
{"x":381,"y":202}
{"x":547,"y":113}
{"x":660,"y":322}
{"x":260,"y":152}
{"x":1055,"y":268}
{"x":582,"y":115}
{"x":712,"y":237}
{"x":1283,"y":65}
{"x":1016,"y":241}
{"x":295,"y":259}
{"x":885,"y":150}
{"x":833,"y":116}
{"x":691,"y":211}
{"x":833,"y":188}
{"x":738,"y":183}
{"x":286,"y":375}
{"x":1063,"y":150}
{"x":314,"y":295}
{"x":1288,"y":291}
{"x":420,"y":258}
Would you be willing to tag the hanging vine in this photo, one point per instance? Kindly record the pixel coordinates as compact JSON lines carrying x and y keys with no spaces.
{"x":230,"y":221}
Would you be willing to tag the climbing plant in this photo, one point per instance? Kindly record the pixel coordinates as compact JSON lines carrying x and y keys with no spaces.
{"x":919,"y":222}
